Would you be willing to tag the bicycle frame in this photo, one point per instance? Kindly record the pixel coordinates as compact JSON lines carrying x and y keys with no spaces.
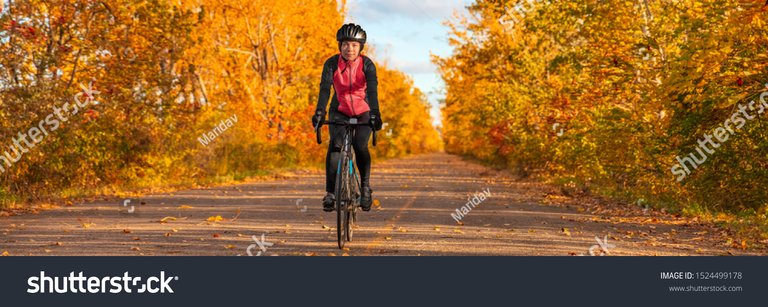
{"x":347,"y":191}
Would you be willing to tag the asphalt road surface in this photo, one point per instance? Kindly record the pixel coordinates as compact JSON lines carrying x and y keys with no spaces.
{"x":415,"y":195}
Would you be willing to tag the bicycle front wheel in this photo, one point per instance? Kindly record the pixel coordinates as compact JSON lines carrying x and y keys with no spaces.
{"x":342,"y":201}
{"x":354,"y":198}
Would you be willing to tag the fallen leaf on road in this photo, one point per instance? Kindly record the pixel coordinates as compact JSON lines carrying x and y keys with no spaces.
{"x":184,"y":207}
{"x":326,"y":227}
{"x":167,"y":234}
{"x":310,"y":254}
{"x":215,"y":235}
{"x":136,"y":238}
{"x":345,"y":254}
{"x":166,"y":219}
{"x":229,"y":246}
{"x":216,"y":218}
{"x":437,"y":228}
{"x":126,"y":231}
{"x":565,"y":231}
{"x":5,"y":253}
{"x":58,"y":244}
{"x":387,"y":238}
{"x":135,"y":248}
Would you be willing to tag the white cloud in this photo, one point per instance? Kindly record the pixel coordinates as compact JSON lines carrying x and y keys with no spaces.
{"x":422,"y":67}
{"x":386,"y":10}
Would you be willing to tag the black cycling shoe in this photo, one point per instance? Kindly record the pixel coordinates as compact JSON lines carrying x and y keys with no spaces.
{"x":328,"y":201}
{"x":366,"y":199}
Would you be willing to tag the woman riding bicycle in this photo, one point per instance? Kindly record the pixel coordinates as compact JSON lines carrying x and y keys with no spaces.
{"x":353,"y":77}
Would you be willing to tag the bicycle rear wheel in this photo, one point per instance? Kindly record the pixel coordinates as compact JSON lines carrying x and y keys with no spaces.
{"x":342,"y":201}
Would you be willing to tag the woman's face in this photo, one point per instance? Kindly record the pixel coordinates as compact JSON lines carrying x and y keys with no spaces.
{"x":350,"y":50}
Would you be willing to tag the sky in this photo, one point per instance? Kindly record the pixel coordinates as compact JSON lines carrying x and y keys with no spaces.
{"x":404,"y":33}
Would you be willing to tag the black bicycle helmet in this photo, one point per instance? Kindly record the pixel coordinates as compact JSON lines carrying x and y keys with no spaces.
{"x":351,"y":32}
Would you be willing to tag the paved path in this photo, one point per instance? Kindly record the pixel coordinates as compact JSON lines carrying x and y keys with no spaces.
{"x":416,"y":194}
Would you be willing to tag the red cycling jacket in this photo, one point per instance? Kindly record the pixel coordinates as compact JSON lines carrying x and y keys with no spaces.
{"x":354,"y":83}
{"x":350,"y":85}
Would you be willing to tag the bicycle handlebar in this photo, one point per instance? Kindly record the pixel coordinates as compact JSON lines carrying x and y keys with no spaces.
{"x":341,"y":123}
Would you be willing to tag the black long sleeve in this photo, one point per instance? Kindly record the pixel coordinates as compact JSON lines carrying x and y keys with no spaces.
{"x":373,"y":85}
{"x":326,"y":81}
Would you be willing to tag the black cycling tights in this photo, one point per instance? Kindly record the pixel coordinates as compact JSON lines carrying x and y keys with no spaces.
{"x":359,"y":143}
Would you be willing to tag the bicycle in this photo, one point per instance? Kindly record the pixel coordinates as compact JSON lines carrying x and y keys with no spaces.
{"x":347,"y":190}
